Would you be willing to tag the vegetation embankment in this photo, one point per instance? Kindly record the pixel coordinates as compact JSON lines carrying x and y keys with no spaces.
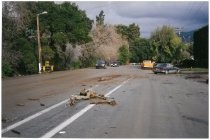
{"x":70,"y":40}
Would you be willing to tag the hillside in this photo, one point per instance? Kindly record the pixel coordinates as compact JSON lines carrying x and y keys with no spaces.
{"x":187,"y":36}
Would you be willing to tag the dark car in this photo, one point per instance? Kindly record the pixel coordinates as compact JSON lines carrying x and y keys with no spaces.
{"x":165,"y":68}
{"x":100,"y":64}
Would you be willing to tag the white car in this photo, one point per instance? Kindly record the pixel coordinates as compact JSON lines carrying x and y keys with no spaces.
{"x":114,"y":64}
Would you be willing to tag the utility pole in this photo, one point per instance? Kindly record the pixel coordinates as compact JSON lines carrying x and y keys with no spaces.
{"x":179,"y":30}
{"x":39,"y":43}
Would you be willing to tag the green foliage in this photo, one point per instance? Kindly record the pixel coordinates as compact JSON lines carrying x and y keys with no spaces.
{"x":6,"y":69}
{"x":47,"y":53}
{"x":123,"y":54}
{"x":64,"y":23}
{"x":123,"y":30}
{"x":76,"y":64}
{"x":200,"y":47}
{"x":28,"y":62}
{"x":131,"y":32}
{"x":100,"y":18}
{"x":167,"y":46}
{"x":140,"y":50}
{"x":59,"y":38}
{"x":65,"y":20}
{"x":88,"y":57}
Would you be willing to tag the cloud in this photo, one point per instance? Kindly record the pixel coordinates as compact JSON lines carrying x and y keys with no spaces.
{"x":190,"y":15}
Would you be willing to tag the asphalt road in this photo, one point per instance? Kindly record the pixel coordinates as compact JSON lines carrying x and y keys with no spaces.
{"x":148,"y":105}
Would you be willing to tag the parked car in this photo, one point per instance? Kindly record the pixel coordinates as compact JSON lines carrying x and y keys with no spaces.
{"x":100,"y":64}
{"x":114,"y":64}
{"x":165,"y":68}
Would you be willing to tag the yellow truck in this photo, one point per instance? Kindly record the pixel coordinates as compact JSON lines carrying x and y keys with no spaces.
{"x":47,"y":67}
{"x":147,"y":64}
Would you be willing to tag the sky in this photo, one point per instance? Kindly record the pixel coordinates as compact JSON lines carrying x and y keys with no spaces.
{"x":185,"y":15}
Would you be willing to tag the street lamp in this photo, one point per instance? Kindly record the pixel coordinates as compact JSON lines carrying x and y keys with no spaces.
{"x":38,"y":39}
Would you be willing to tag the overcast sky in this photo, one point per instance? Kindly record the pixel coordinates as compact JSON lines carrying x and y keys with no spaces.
{"x":149,"y":15}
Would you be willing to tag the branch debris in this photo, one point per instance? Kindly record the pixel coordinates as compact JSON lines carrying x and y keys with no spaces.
{"x":92,"y":96}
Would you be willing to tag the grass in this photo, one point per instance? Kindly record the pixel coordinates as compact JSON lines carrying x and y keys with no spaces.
{"x":195,"y":70}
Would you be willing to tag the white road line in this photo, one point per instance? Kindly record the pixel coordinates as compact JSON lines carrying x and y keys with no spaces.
{"x":67,"y":122}
{"x":76,"y":116}
{"x":36,"y":115}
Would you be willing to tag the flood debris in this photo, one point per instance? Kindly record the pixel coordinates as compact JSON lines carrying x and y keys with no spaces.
{"x":106,"y":78}
{"x":111,"y":102}
{"x":20,"y":104}
{"x":92,"y":96}
{"x":4,"y":119}
{"x":41,"y":104}
{"x":15,"y":131}
{"x":33,"y":99}
{"x":62,"y":132}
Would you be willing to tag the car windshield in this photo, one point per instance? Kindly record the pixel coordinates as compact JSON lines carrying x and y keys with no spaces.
{"x":161,"y":65}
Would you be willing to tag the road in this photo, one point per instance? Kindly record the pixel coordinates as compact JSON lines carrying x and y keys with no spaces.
{"x":148,"y":105}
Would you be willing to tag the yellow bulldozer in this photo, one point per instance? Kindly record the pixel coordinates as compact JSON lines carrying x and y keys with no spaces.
{"x":47,"y":67}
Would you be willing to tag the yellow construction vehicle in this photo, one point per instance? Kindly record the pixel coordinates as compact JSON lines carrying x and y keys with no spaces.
{"x":147,"y":64}
{"x":47,"y":67}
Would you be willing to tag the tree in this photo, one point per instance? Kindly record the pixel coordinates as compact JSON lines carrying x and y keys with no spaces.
{"x":140,"y":50}
{"x":100,"y":18}
{"x":47,"y":53}
{"x":123,"y":54}
{"x":131,"y":32}
{"x":200,"y":46}
{"x":88,"y":57}
{"x":28,"y":62}
{"x":123,"y":30}
{"x":64,"y":23}
{"x":166,"y":45}
{"x":10,"y":31}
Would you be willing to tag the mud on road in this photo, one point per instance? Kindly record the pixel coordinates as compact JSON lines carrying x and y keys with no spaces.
{"x":23,"y":95}
{"x":144,"y":105}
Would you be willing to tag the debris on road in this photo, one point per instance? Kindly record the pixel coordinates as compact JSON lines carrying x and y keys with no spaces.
{"x":33,"y":99}
{"x":16,"y":132}
{"x":92,"y":96}
{"x":4,"y":119}
{"x":41,"y":104}
{"x":20,"y":104}
{"x":62,"y":132}
{"x":111,"y":102}
{"x":106,"y":78}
